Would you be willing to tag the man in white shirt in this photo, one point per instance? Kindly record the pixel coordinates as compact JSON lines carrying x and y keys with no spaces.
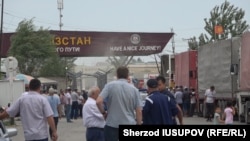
{"x":68,"y":105}
{"x":209,"y":101}
{"x":54,"y":102}
{"x":93,"y":119}
{"x":80,"y":104}
{"x":26,"y":90}
{"x":74,"y":108}
{"x":35,"y":112}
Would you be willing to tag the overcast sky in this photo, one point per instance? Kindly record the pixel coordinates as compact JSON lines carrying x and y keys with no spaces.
{"x":186,"y":17}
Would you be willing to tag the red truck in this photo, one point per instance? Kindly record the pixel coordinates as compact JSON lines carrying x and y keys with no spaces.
{"x":223,"y":64}
{"x":185,"y":73}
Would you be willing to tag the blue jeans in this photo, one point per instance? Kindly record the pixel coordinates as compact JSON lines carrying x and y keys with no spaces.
{"x":111,"y":133}
{"x":95,"y":134}
{"x":74,"y":110}
{"x":68,"y":112}
{"x":210,"y":110}
{"x":39,"y":140}
{"x":186,"y":107}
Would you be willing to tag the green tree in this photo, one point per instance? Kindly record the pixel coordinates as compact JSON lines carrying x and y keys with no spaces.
{"x":139,"y":60}
{"x":68,"y":62}
{"x":50,"y":68}
{"x":33,"y":48}
{"x":228,"y":16}
{"x":192,"y":43}
{"x":120,"y":60}
{"x":134,"y":61}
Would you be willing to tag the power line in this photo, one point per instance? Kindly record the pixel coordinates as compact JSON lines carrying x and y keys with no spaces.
{"x":42,"y":22}
{"x":25,"y":18}
{"x":189,"y":29}
{"x":79,"y":28}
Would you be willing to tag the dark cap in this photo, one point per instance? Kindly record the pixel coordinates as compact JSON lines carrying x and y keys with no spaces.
{"x":152,"y":83}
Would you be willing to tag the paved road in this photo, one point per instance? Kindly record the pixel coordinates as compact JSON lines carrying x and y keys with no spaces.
{"x":76,"y":132}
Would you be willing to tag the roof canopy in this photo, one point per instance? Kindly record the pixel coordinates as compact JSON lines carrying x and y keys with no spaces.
{"x":47,"y":81}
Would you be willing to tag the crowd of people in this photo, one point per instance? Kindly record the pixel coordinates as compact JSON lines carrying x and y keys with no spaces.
{"x":35,"y":112}
{"x":40,"y":110}
{"x":102,"y":111}
{"x":72,"y":103}
{"x":186,"y":98}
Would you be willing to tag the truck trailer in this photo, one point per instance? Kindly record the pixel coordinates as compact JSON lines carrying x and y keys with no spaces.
{"x":186,"y":69}
{"x":225,"y":65}
{"x":242,"y":72}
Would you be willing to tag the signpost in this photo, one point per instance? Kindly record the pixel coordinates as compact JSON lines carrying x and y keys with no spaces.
{"x":11,"y":66}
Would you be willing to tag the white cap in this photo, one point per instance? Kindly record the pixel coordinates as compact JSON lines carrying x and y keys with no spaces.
{"x":51,"y":90}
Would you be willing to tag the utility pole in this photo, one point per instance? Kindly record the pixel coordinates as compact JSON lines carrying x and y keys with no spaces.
{"x":173,"y":42}
{"x":170,"y":58}
{"x":1,"y":34}
{"x":60,"y":8}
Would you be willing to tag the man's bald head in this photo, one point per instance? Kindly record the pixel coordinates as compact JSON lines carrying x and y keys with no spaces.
{"x":94,"y":92}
